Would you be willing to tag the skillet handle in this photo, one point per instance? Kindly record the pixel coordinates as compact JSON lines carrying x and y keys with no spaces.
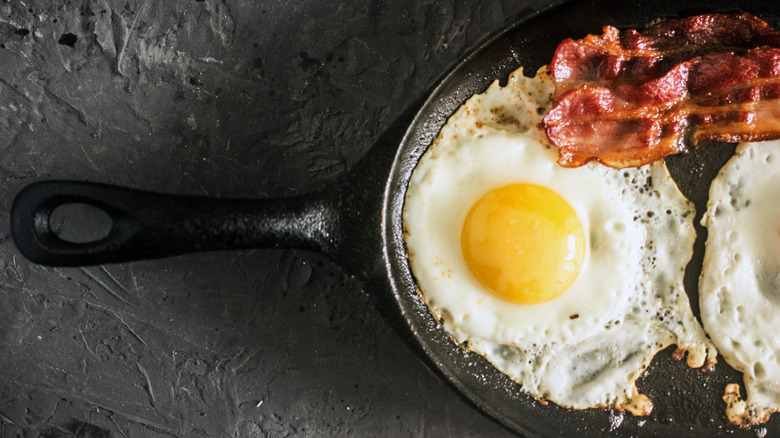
{"x":149,"y":225}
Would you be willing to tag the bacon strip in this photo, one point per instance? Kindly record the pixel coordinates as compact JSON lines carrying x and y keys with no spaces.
{"x":638,"y":56}
{"x":717,"y":96}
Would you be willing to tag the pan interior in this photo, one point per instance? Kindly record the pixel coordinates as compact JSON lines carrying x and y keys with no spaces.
{"x":687,"y":401}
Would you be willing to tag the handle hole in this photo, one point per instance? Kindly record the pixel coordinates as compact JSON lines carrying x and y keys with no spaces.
{"x":80,"y":223}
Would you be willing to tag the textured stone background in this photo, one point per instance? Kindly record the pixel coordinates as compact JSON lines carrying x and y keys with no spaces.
{"x":219,"y":98}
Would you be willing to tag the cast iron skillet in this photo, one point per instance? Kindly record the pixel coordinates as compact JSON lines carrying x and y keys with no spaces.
{"x":357,"y":222}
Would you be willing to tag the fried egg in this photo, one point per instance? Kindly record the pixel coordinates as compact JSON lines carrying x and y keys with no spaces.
{"x":568,"y":280}
{"x":739,"y":287}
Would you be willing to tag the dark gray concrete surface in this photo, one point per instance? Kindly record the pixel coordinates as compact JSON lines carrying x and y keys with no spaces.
{"x":220,"y":98}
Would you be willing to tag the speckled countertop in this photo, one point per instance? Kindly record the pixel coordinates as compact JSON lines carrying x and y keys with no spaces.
{"x":219,"y":98}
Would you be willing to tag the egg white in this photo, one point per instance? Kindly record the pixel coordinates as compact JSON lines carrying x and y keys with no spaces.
{"x":740,"y":280}
{"x":587,"y":347}
{"x":453,"y":180}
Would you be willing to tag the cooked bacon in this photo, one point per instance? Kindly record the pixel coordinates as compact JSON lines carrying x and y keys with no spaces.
{"x":638,"y":56}
{"x":717,"y":96}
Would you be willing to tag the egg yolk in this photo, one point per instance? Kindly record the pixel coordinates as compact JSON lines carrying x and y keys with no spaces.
{"x":524,"y":243}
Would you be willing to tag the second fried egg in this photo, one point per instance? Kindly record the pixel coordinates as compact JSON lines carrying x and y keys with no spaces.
{"x":739,"y":287}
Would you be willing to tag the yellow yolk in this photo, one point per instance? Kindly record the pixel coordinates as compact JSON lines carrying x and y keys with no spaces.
{"x":524,"y":243}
